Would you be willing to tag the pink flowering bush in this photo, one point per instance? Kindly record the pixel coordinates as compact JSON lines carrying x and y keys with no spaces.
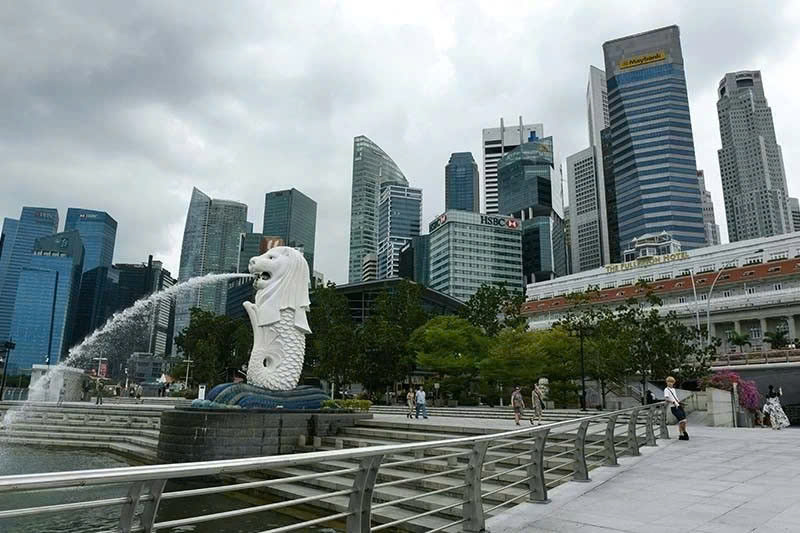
{"x":749,"y":397}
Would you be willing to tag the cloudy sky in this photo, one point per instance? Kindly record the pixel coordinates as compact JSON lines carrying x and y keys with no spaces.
{"x":124,"y":106}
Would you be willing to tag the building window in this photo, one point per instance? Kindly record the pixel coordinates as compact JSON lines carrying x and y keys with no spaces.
{"x":777,"y":256}
{"x":774,"y":269}
{"x":755,"y":333}
{"x":706,"y":268}
{"x":664,"y":275}
{"x":704,"y":296}
{"x":679,"y":285}
{"x":724,"y":277}
{"x":684,"y":273}
{"x":748,"y":273}
{"x":752,"y":260}
{"x":729,"y":264}
{"x":777,"y":286}
{"x":681,"y":300}
{"x":726,"y":294}
{"x":751,"y":290}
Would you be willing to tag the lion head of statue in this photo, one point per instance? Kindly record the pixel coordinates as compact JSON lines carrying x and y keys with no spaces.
{"x":281,"y":282}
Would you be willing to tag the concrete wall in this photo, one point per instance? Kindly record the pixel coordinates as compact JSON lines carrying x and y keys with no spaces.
{"x":719,"y":408}
{"x":205,"y":435}
{"x":785,"y":375}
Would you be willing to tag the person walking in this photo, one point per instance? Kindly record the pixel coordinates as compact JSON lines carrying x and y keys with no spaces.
{"x":410,"y":402}
{"x":62,"y":392}
{"x":671,"y":397}
{"x":517,"y":403}
{"x":99,"y":391}
{"x":420,"y":402}
{"x":537,"y":403}
{"x":139,"y":393}
{"x":772,"y":407}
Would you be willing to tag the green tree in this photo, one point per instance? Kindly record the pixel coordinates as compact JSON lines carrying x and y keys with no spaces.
{"x":385,"y":357}
{"x":777,"y":339}
{"x":451,"y":347}
{"x":331,"y":349}
{"x":494,"y":307}
{"x":739,"y":339}
{"x":215,"y":344}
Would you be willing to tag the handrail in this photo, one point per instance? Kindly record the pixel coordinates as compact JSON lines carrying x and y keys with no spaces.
{"x":146,"y":482}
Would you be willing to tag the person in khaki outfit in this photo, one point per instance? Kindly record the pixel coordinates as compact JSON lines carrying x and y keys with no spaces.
{"x":537,"y":402}
{"x":517,"y":403}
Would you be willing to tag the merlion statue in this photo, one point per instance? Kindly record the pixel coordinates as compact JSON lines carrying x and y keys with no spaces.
{"x":279,"y":318}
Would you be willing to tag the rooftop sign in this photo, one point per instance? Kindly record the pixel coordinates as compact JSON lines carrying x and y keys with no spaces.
{"x":646,"y":261}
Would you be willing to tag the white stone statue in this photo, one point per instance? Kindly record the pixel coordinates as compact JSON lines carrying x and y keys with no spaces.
{"x":278,"y":318}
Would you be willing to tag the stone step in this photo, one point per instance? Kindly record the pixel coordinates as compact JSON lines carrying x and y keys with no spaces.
{"x":99,"y":430}
{"x":83,"y":406}
{"x":140,"y":454}
{"x":339,"y":504}
{"x":142,"y":442}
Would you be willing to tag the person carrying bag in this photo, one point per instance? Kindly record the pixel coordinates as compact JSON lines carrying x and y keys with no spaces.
{"x":671,"y":397}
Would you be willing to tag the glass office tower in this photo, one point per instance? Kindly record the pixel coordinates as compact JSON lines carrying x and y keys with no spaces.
{"x":211,"y":240}
{"x":18,"y":241}
{"x":372,"y":167}
{"x":525,"y":191}
{"x":399,"y":220}
{"x":98,"y":231}
{"x":47,"y":297}
{"x":462,"y":183}
{"x":651,"y":138}
{"x":292,"y":216}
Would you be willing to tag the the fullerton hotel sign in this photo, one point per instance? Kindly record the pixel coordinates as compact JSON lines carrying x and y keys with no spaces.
{"x":646,"y":261}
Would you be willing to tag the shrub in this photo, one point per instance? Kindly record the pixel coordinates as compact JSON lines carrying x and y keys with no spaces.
{"x":749,"y":397}
{"x":356,"y":405}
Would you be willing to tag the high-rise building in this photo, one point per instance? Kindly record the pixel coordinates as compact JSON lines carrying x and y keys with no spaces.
{"x":415,"y":260}
{"x":19,"y":237}
{"x":138,"y":280}
{"x":567,"y":239}
{"x":496,"y":143}
{"x":372,"y":167}
{"x":462,"y":189}
{"x":709,"y":221}
{"x":525,"y":191}
{"x":97,"y":301}
{"x":292,"y":216}
{"x":468,"y":250}
{"x":750,"y":160}
{"x":651,"y":143}
{"x":596,"y":105}
{"x":369,"y":267}
{"x":98,"y":231}
{"x":46,"y":300}
{"x":399,"y":220}
{"x":211,"y":240}
{"x":586,"y":225}
{"x":794,"y":207}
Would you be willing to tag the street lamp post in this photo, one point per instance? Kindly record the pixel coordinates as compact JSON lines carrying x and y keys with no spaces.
{"x":708,"y":302}
{"x":696,"y":303}
{"x":583,"y":375}
{"x":188,"y":364}
{"x":7,"y":346}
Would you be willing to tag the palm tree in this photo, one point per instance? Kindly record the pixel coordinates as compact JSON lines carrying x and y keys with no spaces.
{"x":777,"y":339}
{"x":739,"y":339}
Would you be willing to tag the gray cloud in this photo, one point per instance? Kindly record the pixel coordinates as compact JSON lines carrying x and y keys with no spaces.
{"x":125,"y":106}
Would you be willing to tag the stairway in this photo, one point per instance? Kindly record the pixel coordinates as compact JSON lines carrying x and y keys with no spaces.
{"x":558,"y":457}
{"x":128,"y":431}
{"x":500,"y":413}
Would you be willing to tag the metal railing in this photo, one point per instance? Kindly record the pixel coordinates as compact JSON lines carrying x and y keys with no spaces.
{"x":757,"y":358}
{"x":475,"y":459}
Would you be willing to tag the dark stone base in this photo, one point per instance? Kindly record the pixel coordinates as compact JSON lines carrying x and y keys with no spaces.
{"x":204,"y":435}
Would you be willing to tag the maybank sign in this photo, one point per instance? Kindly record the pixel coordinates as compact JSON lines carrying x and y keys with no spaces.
{"x":646,"y":261}
{"x":643,"y":59}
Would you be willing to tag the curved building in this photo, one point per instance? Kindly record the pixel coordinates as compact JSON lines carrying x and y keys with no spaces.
{"x":372,"y":167}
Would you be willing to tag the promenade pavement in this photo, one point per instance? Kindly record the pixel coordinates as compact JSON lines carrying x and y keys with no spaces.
{"x":722,"y":480}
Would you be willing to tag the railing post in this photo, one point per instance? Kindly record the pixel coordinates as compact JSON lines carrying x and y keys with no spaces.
{"x":536,"y":481}
{"x":148,"y":518}
{"x":633,"y":442}
{"x":581,"y":471}
{"x":608,"y":442}
{"x":664,"y":432}
{"x":650,"y":435}
{"x":360,"y":505}
{"x":129,"y":508}
{"x":473,"y":506}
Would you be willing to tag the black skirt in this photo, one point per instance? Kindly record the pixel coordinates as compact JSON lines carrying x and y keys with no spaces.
{"x":679,"y":413}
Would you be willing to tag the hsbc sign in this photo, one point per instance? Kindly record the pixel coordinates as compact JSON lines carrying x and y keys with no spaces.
{"x":510,"y":223}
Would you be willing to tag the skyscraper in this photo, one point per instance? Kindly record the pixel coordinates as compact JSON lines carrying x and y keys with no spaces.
{"x":652,"y":147}
{"x":97,"y":301}
{"x":462,"y":189}
{"x":585,"y":223}
{"x":46,"y":299}
{"x":750,"y":160}
{"x":98,"y":231}
{"x":794,"y":207}
{"x":525,"y":191}
{"x":18,"y":242}
{"x":211,"y":240}
{"x":292,"y":216}
{"x":496,"y":143}
{"x":372,"y":167}
{"x":399,"y":220}
{"x":709,"y":221}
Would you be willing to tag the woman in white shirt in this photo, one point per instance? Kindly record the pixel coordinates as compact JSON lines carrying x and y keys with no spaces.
{"x":671,"y":397}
